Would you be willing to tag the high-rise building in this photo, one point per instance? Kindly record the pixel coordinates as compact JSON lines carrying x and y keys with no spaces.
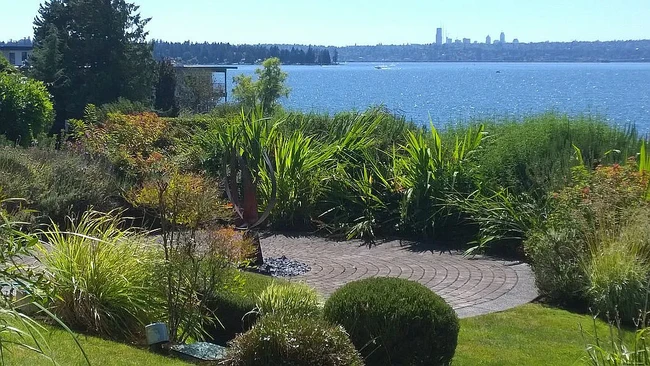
{"x":488,"y":39}
{"x":467,"y":41}
{"x":502,"y":38}
{"x":449,"y":40}
{"x":439,"y":36}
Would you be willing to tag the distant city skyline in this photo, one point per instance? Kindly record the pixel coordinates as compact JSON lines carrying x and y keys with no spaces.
{"x":341,"y":23}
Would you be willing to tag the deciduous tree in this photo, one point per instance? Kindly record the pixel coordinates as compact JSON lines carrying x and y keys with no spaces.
{"x":266,"y":90}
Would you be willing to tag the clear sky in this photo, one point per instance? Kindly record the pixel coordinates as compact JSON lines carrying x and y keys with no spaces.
{"x":348,"y":22}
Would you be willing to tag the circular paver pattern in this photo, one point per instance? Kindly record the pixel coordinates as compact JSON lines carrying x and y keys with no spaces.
{"x":472,"y":286}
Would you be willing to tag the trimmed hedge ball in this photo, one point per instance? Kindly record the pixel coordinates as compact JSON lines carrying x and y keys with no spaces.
{"x":394,"y":321}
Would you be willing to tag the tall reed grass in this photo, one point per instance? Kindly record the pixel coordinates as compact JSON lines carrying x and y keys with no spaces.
{"x":103,"y":275}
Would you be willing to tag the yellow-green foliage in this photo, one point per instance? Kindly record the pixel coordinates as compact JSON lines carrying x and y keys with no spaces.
{"x":289,"y":300}
{"x":594,"y":248}
{"x":181,"y":198}
{"x":102,"y":275}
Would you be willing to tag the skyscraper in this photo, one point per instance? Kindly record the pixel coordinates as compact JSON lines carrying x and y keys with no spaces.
{"x":502,"y":38}
{"x":439,"y":36}
{"x":488,"y":39}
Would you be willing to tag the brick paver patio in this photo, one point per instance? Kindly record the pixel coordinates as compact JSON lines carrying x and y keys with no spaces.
{"x":472,"y":286}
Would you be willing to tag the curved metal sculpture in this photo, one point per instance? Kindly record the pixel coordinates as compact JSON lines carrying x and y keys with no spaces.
{"x":246,"y":207}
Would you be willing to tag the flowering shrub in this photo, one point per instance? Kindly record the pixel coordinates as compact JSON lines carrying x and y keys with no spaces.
{"x":134,"y":143}
{"x":593,"y":249}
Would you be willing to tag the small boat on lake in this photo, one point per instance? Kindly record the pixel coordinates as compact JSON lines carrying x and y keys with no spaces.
{"x":382,"y":67}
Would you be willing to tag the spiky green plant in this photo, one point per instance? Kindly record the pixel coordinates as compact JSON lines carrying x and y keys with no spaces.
{"x":25,"y":289}
{"x":300,"y":166}
{"x":289,"y":300}
{"x":102,"y":275}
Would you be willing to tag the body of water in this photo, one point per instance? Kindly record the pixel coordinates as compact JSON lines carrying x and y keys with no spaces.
{"x":620,"y":92}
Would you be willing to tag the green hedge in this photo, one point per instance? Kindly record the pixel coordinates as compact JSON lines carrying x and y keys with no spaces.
{"x":394,"y":321}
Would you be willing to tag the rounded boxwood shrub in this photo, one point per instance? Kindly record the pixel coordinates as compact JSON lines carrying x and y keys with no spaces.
{"x":394,"y":321}
{"x":296,"y":341}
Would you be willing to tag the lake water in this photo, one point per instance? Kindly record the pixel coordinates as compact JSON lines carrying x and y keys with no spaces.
{"x":447,"y":92}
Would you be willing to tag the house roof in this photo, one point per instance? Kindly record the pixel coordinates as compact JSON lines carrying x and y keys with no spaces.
{"x":213,"y":68}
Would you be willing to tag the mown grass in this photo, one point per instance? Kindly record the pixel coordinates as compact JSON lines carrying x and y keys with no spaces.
{"x":65,"y":352}
{"x":531,"y":335}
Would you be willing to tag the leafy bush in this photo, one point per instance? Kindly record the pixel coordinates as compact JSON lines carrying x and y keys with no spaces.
{"x":102,"y":275}
{"x":594,"y":248}
{"x":133,"y":143}
{"x":395,"y":322}
{"x":57,"y":183}
{"x":289,"y":300}
{"x":181,"y":199}
{"x":557,"y":256}
{"x":293,"y":341}
{"x":25,"y":108}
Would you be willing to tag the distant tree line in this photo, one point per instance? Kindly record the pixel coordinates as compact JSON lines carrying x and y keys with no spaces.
{"x":226,"y":53}
{"x":614,"y":51}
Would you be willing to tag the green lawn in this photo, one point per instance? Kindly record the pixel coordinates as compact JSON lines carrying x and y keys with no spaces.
{"x":532,"y":334}
{"x":527,"y":335}
{"x":65,"y":352}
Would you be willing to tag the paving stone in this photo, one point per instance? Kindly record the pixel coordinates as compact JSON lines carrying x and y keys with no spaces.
{"x":473,"y":286}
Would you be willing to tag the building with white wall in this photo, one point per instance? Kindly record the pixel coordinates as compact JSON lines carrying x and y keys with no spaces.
{"x":16,"y":55}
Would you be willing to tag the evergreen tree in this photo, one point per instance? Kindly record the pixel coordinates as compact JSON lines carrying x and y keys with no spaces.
{"x":310,"y":56}
{"x":102,"y":49}
{"x":324,"y":57}
{"x":166,"y":101}
{"x":335,"y":58}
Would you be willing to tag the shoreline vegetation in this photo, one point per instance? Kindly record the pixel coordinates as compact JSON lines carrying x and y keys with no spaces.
{"x":114,"y":173}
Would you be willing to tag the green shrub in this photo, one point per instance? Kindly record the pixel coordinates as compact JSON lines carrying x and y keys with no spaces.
{"x":289,"y":300}
{"x":557,"y":258}
{"x":293,"y":341}
{"x":234,"y":307}
{"x":57,"y":183}
{"x":102,"y":276}
{"x":595,"y":247}
{"x":395,"y":322}
{"x":536,"y":155}
{"x":25,"y":108}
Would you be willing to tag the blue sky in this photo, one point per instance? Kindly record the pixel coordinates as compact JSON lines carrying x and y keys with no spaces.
{"x":348,"y":22}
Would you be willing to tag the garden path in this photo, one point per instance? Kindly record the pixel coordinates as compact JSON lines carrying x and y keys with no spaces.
{"x":472,"y":286}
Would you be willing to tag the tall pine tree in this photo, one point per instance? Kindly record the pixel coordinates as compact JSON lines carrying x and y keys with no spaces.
{"x":102,"y":53}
